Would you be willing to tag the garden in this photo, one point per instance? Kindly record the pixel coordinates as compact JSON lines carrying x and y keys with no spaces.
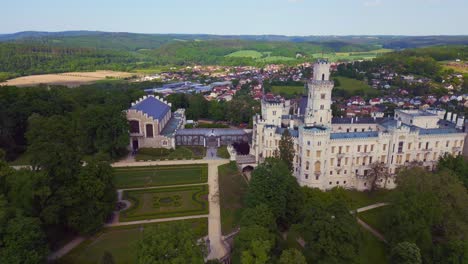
{"x":165,"y":202}
{"x":131,"y":177}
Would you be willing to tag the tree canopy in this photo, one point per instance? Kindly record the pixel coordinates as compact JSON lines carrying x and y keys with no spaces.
{"x":175,"y":243}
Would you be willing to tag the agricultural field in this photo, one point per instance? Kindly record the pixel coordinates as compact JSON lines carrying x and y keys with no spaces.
{"x":232,"y":188}
{"x":121,"y":242}
{"x":165,"y":202}
{"x":131,"y":177}
{"x":288,"y":90}
{"x":350,"y":56}
{"x":70,"y":79}
{"x":461,"y":67}
{"x":351,"y":87}
{"x":246,"y":54}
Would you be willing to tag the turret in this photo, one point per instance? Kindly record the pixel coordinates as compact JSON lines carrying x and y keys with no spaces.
{"x":318,"y":111}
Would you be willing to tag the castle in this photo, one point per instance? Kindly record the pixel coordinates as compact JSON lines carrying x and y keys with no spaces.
{"x":331,"y":152}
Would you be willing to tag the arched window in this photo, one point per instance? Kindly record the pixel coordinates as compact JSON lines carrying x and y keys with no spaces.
{"x":134,"y":126}
{"x":317,"y":166}
{"x":323,"y":76}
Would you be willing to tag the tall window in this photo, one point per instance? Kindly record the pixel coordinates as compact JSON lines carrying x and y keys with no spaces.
{"x":149,"y":130}
{"x":323,"y":76}
{"x":400,"y":146}
{"x":134,"y":126}
{"x":322,"y":96}
{"x":317,"y":166}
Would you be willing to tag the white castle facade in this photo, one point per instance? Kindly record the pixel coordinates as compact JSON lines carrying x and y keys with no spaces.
{"x":332,"y":152}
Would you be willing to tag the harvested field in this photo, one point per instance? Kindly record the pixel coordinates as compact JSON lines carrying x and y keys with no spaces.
{"x":70,"y":79}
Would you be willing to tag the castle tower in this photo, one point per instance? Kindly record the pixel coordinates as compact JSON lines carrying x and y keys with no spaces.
{"x":318,"y":111}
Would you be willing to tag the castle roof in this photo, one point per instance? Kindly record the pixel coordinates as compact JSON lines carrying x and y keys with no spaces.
{"x":152,"y":107}
{"x":367,"y":134}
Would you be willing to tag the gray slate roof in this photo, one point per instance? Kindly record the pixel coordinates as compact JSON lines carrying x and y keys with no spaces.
{"x":367,"y":134}
{"x":152,"y":107}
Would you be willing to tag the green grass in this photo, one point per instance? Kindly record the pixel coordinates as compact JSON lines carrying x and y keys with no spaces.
{"x":128,"y":177}
{"x":246,"y":54}
{"x":372,"y":250}
{"x":120,"y":242}
{"x":232,"y":188}
{"x":180,"y":153}
{"x":288,"y":90}
{"x":165,"y":202}
{"x":276,"y":59}
{"x":375,"y":217}
{"x":358,"y":199}
{"x":222,"y":152}
{"x":355,"y":87}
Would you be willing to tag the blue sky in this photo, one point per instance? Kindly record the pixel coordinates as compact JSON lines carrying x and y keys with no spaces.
{"x":284,"y":17}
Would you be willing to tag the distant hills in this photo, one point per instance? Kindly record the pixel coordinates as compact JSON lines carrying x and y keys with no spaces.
{"x":34,"y":52}
{"x":135,"y":41}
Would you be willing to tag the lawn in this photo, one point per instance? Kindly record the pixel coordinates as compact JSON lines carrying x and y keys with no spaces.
{"x":180,"y":153}
{"x":232,"y":188}
{"x":165,"y":202}
{"x":374,"y":217}
{"x":371,"y":249}
{"x":288,"y":90}
{"x":128,"y":177}
{"x":355,"y":87}
{"x":222,"y":152}
{"x":357,"y":199}
{"x":120,"y":242}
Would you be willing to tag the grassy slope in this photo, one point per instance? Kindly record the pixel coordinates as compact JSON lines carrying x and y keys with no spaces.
{"x":120,"y":242}
{"x":357,"y":199}
{"x":232,"y":188}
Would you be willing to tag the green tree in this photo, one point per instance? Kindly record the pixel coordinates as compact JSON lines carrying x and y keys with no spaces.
{"x":428,"y":209}
{"x":405,"y":253}
{"x":259,"y":215}
{"x":96,"y":196}
{"x":171,"y":243}
{"x":258,"y":253}
{"x":23,"y":242}
{"x":286,"y":149}
{"x":457,"y":164}
{"x":331,"y":233}
{"x":292,"y":256}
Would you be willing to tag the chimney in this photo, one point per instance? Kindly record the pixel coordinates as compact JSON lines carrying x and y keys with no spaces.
{"x":398,"y":123}
{"x":454,"y":118}
{"x":352,"y":120}
{"x":291,"y":123}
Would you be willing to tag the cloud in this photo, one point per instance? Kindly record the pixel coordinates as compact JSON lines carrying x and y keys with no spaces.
{"x":372,"y":3}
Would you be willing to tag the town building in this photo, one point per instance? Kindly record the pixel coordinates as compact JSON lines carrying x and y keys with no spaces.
{"x":331,"y":152}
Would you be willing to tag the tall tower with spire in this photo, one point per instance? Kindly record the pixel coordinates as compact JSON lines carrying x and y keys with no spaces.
{"x":318,"y":111}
